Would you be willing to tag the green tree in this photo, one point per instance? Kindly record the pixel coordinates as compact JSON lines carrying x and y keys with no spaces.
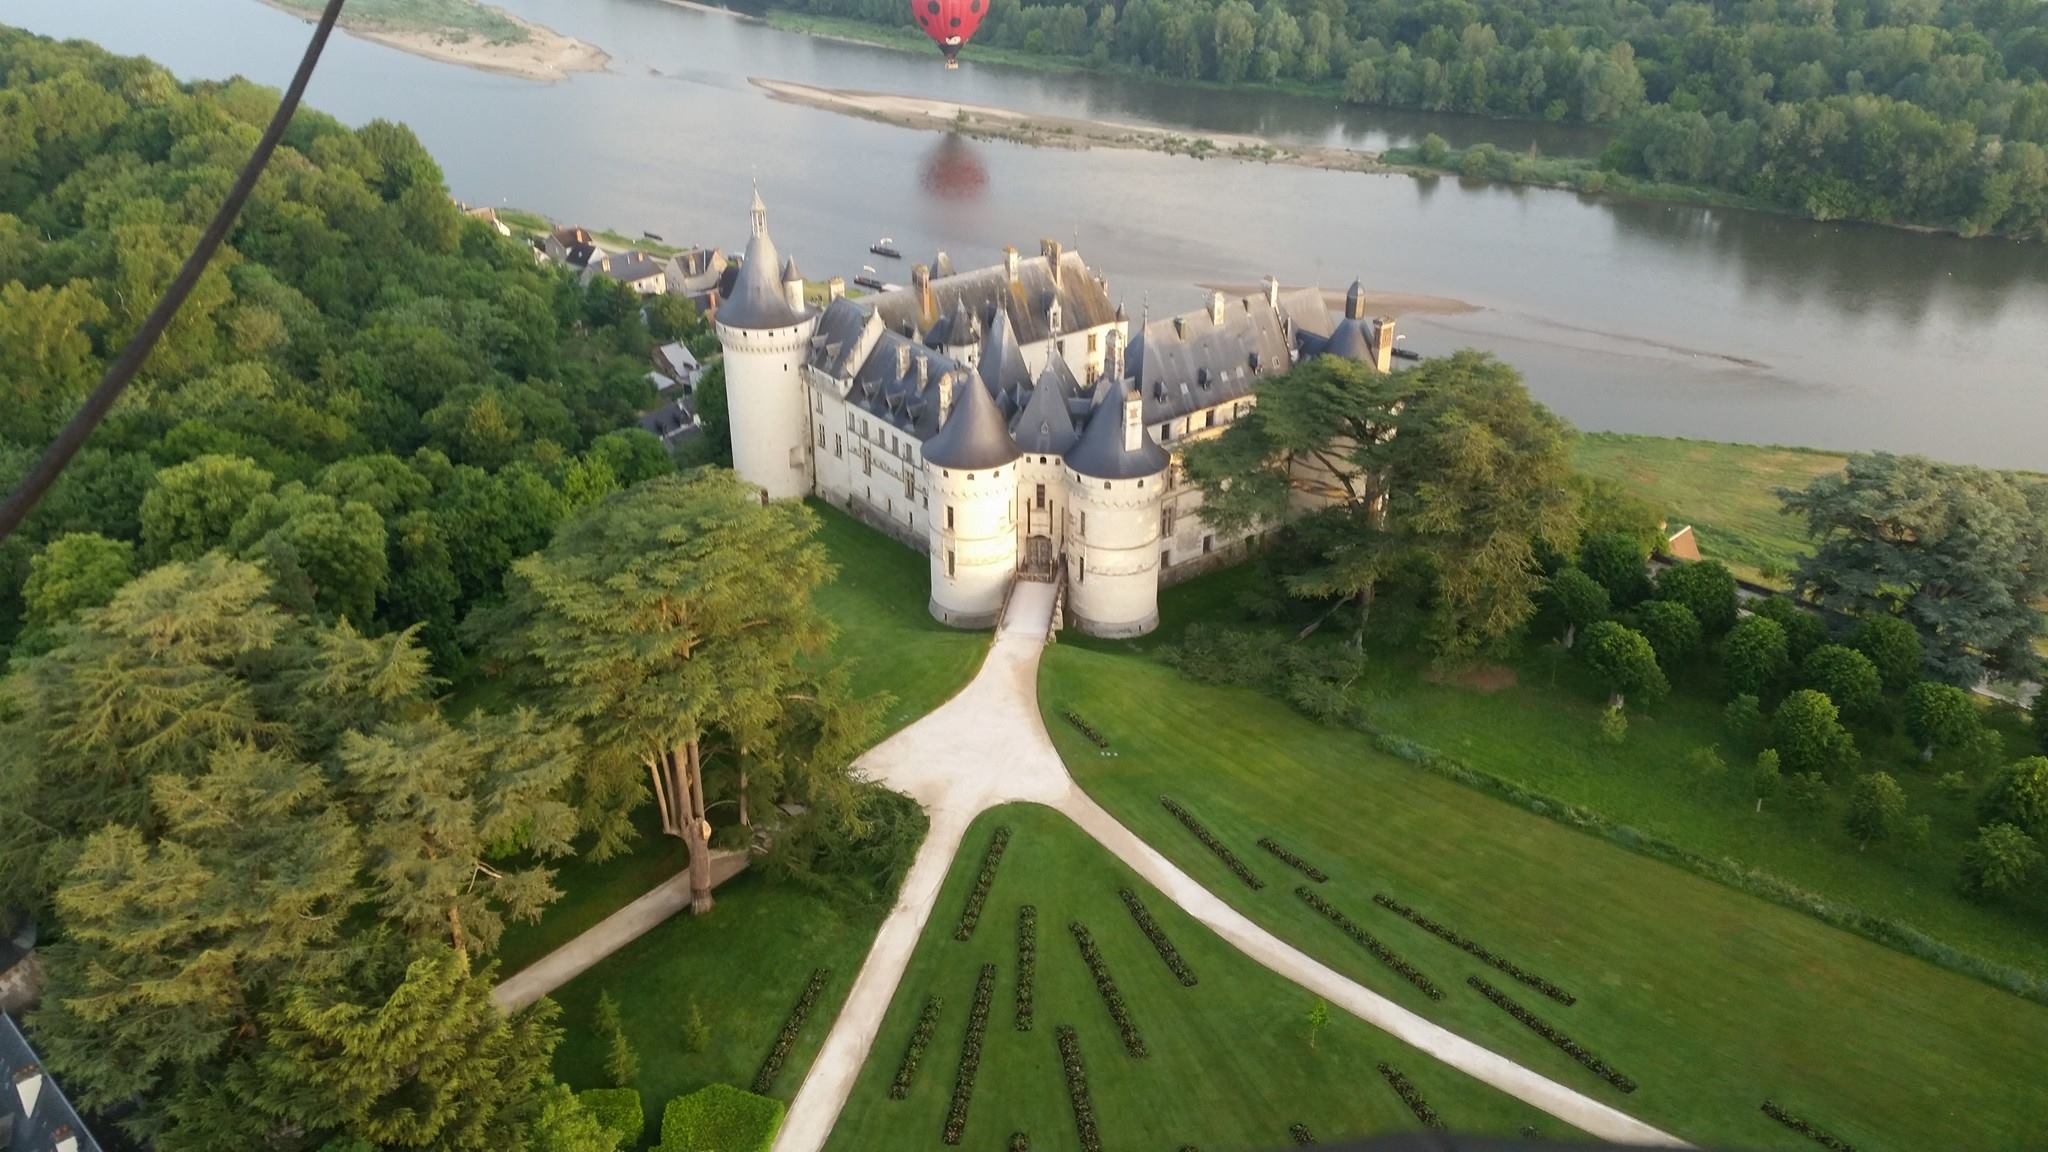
{"x":2041,"y":720}
{"x":696,"y":1033}
{"x":1620,"y":563}
{"x":1576,"y":599}
{"x":1744,"y":719}
{"x":1999,"y":862}
{"x":1613,"y":727}
{"x":73,"y":572}
{"x":1950,"y":549}
{"x":1704,"y":586}
{"x":1806,"y":795}
{"x":1318,"y":1019}
{"x":1893,"y":647}
{"x":193,"y":507}
{"x":1804,"y":630}
{"x":1765,"y":777}
{"x":2019,"y":796}
{"x":1808,"y":734}
{"x":1236,"y":36}
{"x":329,"y":552}
{"x":1625,"y":663}
{"x":1940,"y":716}
{"x":1670,"y":627}
{"x":714,"y":444}
{"x":565,"y":1124}
{"x":621,"y":1063}
{"x":46,"y":344}
{"x":1755,"y":656}
{"x":1877,"y":808}
{"x":1846,"y":676}
{"x":1434,"y":149}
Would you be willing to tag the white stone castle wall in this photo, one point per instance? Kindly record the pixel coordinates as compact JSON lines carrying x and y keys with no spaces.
{"x":1113,"y":553}
{"x":974,"y":559}
{"x":766,"y":403}
{"x":866,"y":465}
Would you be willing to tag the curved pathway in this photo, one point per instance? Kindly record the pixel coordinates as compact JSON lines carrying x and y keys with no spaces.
{"x":988,"y":746}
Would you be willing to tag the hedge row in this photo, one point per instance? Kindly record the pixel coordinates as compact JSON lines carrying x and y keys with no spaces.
{"x":1077,"y":1089}
{"x":1823,"y":1138}
{"x":1027,"y":964}
{"x":1385,"y":954}
{"x":1157,"y":936}
{"x":1301,"y":1134}
{"x":971,"y":914}
{"x":1535,"y":1024}
{"x":1086,"y":729}
{"x":970,"y":1055}
{"x":1209,"y":841}
{"x":1411,"y":1097}
{"x":791,"y":1028}
{"x":1019,"y":1142}
{"x":1112,"y":998}
{"x":1445,"y":933}
{"x":920,"y":1037}
{"x":1292,"y":861}
{"x":719,"y":1116}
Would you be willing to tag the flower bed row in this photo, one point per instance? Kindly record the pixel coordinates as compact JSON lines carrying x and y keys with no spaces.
{"x":1209,"y":841}
{"x":1535,"y":1024}
{"x":791,"y":1029}
{"x":1077,"y":1089}
{"x":1086,"y":729}
{"x":920,"y":1036}
{"x":1449,"y":936}
{"x":970,"y":1055}
{"x":1411,"y":1097}
{"x":1157,"y":936}
{"x":1301,"y":1134}
{"x":971,"y":914}
{"x":1027,"y":965}
{"x":1292,"y":861}
{"x":1823,"y":1138}
{"x":1372,"y":944}
{"x":1112,"y":998}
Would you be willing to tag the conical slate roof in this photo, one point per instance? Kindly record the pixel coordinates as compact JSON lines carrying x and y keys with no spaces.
{"x":789,"y":271}
{"x":1100,"y":452}
{"x":1044,"y":424}
{"x":957,"y":330}
{"x":1350,"y":341}
{"x":756,"y":300}
{"x":973,"y":436}
{"x":1002,"y":360}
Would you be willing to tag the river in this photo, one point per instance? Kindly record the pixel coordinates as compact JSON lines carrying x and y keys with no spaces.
{"x":1623,"y":316}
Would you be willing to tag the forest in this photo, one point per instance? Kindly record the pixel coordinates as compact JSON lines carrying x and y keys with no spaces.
{"x":1917,"y":112}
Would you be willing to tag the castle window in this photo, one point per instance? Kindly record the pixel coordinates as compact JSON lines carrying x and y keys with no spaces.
{"x":1166,"y":430}
{"x":1208,"y":544}
{"x":1080,"y":569}
{"x":1040,"y":500}
{"x":1084,"y":522}
{"x":1165,"y":557}
{"x":1210,"y":419}
{"x":949,"y":563}
{"x":1141,"y":483}
{"x":838,"y":443}
{"x":1166,"y":520}
{"x":949,"y":517}
{"x":1093,"y":339}
{"x":821,"y":435}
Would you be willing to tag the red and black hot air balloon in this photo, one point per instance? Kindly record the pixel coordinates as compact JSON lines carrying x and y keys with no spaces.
{"x":950,"y":23}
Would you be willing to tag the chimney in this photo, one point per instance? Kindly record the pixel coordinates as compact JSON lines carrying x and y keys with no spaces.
{"x":1272,"y":292}
{"x":1134,"y":419}
{"x":902,"y":361}
{"x":1050,"y":249}
{"x":945,"y":396}
{"x":1216,"y":308}
{"x":1010,"y":262}
{"x":28,"y":1084}
{"x":63,"y":1139}
{"x":1383,"y":344}
{"x":924,"y":371}
{"x":1113,"y":356}
{"x":835,"y":288}
{"x":921,"y":283}
{"x":1180,"y":327}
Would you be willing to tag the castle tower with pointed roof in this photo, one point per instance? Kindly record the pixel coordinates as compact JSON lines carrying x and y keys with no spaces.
{"x":765,"y":331}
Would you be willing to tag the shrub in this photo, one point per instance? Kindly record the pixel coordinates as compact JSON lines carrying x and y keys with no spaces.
{"x":791,"y":1029}
{"x":1384,"y":954}
{"x":1027,"y":964}
{"x":2000,"y":860}
{"x":1209,"y":841}
{"x":621,"y":1063}
{"x":913,"y":1054}
{"x":1086,"y":729}
{"x":1706,"y":588}
{"x":1765,"y":777}
{"x":1077,"y":1089}
{"x":1825,"y":1139}
{"x":1452,"y":938}
{"x":1301,"y":1134}
{"x":1411,"y":1097}
{"x":618,"y":1110}
{"x":1476,"y":164}
{"x":970,"y":916}
{"x":1434,"y":149}
{"x":1112,"y":997}
{"x":723,"y":1117}
{"x":1019,"y":1142}
{"x":1613,"y":728}
{"x":1877,"y":808}
{"x":1292,"y":861}
{"x":1744,"y":718}
{"x":696,"y":1033}
{"x":1846,"y":676}
{"x":1756,"y":656}
{"x":1536,"y":1024}
{"x":2019,"y":796}
{"x":970,"y":1055}
{"x":1157,"y":936}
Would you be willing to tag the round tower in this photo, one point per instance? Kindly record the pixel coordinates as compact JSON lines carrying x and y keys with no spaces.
{"x":1116,"y":481}
{"x":765,"y":333}
{"x":970,"y":467}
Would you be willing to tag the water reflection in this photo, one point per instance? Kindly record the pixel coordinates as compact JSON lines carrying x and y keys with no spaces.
{"x":953,"y":170}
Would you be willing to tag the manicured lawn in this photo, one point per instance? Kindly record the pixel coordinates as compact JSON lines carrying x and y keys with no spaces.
{"x":1711,"y":1000}
{"x":743,"y":966}
{"x":592,"y":890}
{"x":1229,"y":1067}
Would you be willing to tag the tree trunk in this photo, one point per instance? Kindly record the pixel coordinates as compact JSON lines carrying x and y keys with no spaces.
{"x":1364,"y":616}
{"x":744,"y":822}
{"x":698,"y":830}
{"x":1927,"y":753}
{"x":1571,"y":634}
{"x":455,"y":928}
{"x":1759,"y":805}
{"x":1615,"y":701}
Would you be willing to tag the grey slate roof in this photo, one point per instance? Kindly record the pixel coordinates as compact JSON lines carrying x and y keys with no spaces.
{"x":53,"y":1118}
{"x":1002,"y":366}
{"x":1190,"y":362}
{"x":1350,"y":341}
{"x":627,"y":267}
{"x":958,"y":330}
{"x":1100,"y":452}
{"x":975,"y":435}
{"x":756,"y":300}
{"x":898,"y":383}
{"x":1083,"y":301}
{"x":841,"y":339}
{"x":1045,"y":423}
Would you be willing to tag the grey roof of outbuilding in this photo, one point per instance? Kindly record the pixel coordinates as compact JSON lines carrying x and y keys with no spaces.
{"x":1045,"y":423}
{"x":628,"y":267}
{"x":53,"y":1114}
{"x":975,"y":434}
{"x":1028,"y":299}
{"x":756,"y":300}
{"x":1100,"y":453}
{"x":1190,"y":362}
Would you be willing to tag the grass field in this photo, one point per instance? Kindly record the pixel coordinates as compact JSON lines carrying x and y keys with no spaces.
{"x":743,"y":966}
{"x":1230,"y":1065}
{"x":1727,"y":492}
{"x":1712,"y":1000}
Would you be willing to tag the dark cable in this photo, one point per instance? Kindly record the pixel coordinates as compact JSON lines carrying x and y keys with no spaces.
{"x":33,"y":486}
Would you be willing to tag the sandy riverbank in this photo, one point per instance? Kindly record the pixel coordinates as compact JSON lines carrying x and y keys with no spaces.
{"x":1376,"y":303}
{"x":985,"y":122}
{"x":544,"y":55}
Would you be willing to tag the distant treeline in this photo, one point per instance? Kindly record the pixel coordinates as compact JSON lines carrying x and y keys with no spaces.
{"x":1906,"y":111}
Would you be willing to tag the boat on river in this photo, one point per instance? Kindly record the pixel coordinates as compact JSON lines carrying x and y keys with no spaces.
{"x":886,"y":246}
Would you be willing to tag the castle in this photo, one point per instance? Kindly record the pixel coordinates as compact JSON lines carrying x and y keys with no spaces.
{"x":1008,"y":420}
